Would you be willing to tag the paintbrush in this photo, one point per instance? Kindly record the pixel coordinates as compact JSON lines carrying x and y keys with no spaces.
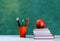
{"x":17,"y":19}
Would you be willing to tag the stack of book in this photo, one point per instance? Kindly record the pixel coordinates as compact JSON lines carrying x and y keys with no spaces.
{"x":42,"y":34}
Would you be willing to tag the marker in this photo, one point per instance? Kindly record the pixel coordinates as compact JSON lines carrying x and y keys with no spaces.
{"x":17,"y":19}
{"x":27,"y":21}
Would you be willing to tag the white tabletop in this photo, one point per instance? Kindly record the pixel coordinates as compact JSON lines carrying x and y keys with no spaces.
{"x":28,"y":38}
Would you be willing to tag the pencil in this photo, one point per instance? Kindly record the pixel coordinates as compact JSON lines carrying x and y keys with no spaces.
{"x":27,"y":21}
{"x":22,"y":22}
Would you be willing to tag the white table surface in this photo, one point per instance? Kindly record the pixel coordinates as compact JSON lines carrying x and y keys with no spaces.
{"x":28,"y":38}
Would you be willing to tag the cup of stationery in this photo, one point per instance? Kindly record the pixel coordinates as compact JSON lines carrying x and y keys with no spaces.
{"x":22,"y":28}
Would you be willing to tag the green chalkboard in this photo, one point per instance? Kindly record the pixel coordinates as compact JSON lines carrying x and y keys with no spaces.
{"x":49,"y":10}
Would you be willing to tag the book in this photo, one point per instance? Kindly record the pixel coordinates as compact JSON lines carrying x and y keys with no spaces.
{"x":44,"y":31}
{"x":44,"y":37}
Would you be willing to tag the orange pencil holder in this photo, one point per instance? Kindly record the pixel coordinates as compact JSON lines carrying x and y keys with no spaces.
{"x":22,"y":31}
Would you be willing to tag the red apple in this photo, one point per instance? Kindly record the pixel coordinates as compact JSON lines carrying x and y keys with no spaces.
{"x":40,"y":23}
